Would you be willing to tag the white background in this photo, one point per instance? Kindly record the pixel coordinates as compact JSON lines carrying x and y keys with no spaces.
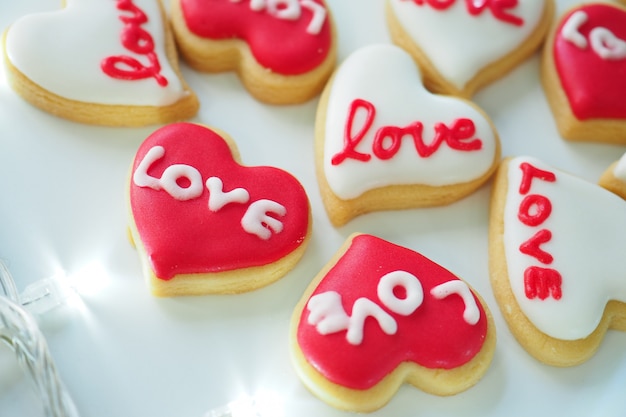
{"x":125,"y":353}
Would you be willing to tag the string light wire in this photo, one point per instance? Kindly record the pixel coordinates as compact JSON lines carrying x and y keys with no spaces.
{"x":19,"y":329}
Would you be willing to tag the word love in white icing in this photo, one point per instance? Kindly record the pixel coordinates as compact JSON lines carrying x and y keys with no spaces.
{"x":137,"y":40}
{"x":388,"y":139}
{"x":292,"y":10}
{"x":534,"y":210}
{"x":327,"y":314}
{"x":256,"y":220}
{"x":603,"y":42}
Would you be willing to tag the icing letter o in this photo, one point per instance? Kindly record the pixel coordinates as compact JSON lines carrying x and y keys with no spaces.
{"x":542,"y":209}
{"x":171,"y":175}
{"x":414,"y":292}
{"x":169,"y":178}
{"x":284,"y":9}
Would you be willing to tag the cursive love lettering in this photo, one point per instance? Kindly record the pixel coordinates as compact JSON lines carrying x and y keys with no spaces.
{"x":534,"y":210}
{"x":136,"y":40}
{"x":388,"y":139}
{"x":500,"y":9}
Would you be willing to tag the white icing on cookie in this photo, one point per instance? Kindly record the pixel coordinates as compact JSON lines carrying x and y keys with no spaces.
{"x":620,"y":169}
{"x":258,"y":221}
{"x":571,"y":29}
{"x":62,"y":51}
{"x":386,"y":77}
{"x":586,"y":247}
{"x":459,"y":44}
{"x":603,"y":42}
{"x":218,"y":198}
{"x":471,"y":313}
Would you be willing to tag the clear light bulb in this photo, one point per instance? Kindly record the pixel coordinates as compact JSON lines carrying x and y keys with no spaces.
{"x":46,"y":294}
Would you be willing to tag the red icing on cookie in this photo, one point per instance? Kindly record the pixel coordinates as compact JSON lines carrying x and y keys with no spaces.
{"x":500,"y":9}
{"x":542,"y":283}
{"x":184,"y":235}
{"x":137,"y":40}
{"x":531,"y":172}
{"x":388,"y":139}
{"x":434,"y":335}
{"x":533,"y":211}
{"x":594,"y":86}
{"x":532,"y":246}
{"x":284,"y":45}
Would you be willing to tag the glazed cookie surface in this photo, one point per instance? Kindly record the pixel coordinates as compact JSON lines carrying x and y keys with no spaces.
{"x":283,"y":51}
{"x":124,"y":74}
{"x":614,"y":178}
{"x":462,"y":45}
{"x":556,"y":259}
{"x":583,"y":69}
{"x":384,"y":142}
{"x":379,"y":315}
{"x":203,"y":223}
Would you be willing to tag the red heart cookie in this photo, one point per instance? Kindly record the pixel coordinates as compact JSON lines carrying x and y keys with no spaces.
{"x":283,"y":50}
{"x":584,"y":70}
{"x":203,"y":223}
{"x":379,"y":315}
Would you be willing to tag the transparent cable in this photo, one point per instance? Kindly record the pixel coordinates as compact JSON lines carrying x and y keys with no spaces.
{"x":19,"y":329}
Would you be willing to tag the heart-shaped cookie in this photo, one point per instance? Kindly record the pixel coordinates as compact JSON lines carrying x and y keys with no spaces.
{"x":106,"y":62}
{"x":203,"y":223}
{"x":462,"y":45}
{"x":384,"y":142}
{"x":379,"y":315}
{"x":283,"y":50}
{"x":557,"y":262}
{"x":584,"y":73}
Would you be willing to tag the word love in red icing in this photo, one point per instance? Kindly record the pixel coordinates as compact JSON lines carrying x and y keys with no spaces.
{"x":135,"y":39}
{"x":184,"y":182}
{"x":388,"y":139}
{"x":539,"y":282}
{"x":603,"y":42}
{"x":499,"y":8}
{"x":292,"y":10}
{"x":399,"y":291}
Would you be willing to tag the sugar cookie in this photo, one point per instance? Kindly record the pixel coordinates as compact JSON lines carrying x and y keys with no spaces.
{"x":379,"y":315}
{"x":383,"y":142}
{"x":106,"y":63}
{"x":557,"y":264}
{"x":203,"y":223}
{"x":283,"y":50}
{"x":462,"y":45}
{"x":582,"y":73}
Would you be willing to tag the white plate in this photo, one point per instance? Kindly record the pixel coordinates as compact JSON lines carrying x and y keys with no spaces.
{"x":126,"y":353}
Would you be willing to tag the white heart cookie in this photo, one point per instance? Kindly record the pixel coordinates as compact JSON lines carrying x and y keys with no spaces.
{"x":383,"y":128}
{"x":461,"y":38}
{"x":557,"y":245}
{"x":106,"y":52}
{"x":591,"y":273}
